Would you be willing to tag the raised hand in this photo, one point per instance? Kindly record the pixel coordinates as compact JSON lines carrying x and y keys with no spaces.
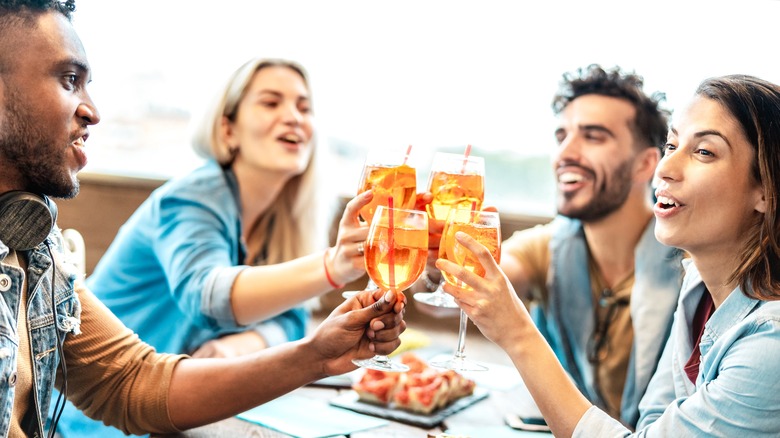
{"x":492,"y":305}
{"x":346,"y":258}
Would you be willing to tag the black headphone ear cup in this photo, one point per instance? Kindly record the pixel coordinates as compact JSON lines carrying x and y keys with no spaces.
{"x":25,"y":219}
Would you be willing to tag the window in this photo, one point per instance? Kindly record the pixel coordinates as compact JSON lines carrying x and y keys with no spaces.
{"x":435,"y":74}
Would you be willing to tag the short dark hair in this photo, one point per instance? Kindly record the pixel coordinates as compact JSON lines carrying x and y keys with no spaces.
{"x":37,"y":6}
{"x":755,"y":105}
{"x":652,"y":121}
{"x":18,"y":14}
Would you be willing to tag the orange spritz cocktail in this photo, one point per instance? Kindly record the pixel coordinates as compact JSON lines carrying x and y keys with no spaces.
{"x":482,"y":226}
{"x":400,"y":182}
{"x":410,"y":252}
{"x":454,"y":190}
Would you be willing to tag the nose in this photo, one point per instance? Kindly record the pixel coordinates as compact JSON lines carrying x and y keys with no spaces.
{"x":292,"y":115}
{"x":669,"y":167}
{"x":569,"y":150}
{"x":88,"y":112}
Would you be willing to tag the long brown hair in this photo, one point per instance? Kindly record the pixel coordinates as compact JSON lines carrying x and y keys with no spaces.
{"x":755,"y":104}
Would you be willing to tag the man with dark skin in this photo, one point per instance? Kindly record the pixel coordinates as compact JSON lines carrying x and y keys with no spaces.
{"x":45,"y":115}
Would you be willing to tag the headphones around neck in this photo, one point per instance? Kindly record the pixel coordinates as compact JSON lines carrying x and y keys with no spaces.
{"x":25,"y":219}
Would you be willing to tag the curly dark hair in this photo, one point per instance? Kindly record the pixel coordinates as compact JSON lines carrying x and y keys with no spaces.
{"x":651,"y":123}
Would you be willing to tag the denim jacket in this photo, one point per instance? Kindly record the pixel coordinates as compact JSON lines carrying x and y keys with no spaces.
{"x":569,"y":320}
{"x":736,"y":393}
{"x":40,"y":324}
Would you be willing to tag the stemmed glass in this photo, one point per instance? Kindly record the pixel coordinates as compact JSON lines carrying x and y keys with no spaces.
{"x":388,"y":176}
{"x":485,"y":227}
{"x":456,"y":181}
{"x":395,"y":256}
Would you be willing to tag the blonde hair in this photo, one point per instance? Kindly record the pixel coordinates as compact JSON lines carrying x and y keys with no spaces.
{"x":285,"y":231}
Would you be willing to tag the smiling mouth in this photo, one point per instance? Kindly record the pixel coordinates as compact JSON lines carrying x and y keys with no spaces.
{"x":291,"y":139}
{"x":667,"y":203}
{"x":570,"y":178}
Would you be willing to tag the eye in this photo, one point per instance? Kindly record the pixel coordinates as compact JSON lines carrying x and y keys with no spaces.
{"x":705,"y":152}
{"x":70,"y":80}
{"x":269,"y":103}
{"x":669,"y":148}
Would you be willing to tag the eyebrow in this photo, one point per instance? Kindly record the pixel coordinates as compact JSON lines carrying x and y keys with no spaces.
{"x":278,"y":94}
{"x":80,"y":65}
{"x":705,"y":133}
{"x":600,"y":128}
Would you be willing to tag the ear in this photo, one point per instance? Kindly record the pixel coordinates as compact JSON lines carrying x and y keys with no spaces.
{"x":760,"y":205}
{"x":645,"y":164}
{"x":226,"y":134}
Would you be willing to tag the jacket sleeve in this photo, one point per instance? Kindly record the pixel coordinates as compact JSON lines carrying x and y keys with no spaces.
{"x":199,"y":255}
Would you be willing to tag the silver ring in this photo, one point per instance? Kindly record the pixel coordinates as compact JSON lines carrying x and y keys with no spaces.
{"x":360,"y":248}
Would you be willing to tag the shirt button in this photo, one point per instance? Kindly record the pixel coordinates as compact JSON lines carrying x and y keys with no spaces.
{"x":5,"y":282}
{"x":12,"y":379}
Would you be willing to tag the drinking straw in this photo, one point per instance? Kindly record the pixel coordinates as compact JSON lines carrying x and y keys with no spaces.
{"x":465,"y":159}
{"x":473,"y":210}
{"x":408,"y":150}
{"x":391,"y":243}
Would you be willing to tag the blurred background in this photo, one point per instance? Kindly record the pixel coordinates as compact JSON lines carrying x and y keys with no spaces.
{"x":434,"y":74}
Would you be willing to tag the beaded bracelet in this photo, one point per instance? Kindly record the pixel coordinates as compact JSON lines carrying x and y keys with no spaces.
{"x":327,"y":274}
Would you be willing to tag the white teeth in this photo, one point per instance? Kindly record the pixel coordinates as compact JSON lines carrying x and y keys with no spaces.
{"x":570,"y":177}
{"x":79,"y":142}
{"x":291,"y":138}
{"x":667,"y":201}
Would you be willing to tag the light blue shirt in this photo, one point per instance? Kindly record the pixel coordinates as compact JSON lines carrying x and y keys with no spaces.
{"x":168,"y":274}
{"x":737,"y":391}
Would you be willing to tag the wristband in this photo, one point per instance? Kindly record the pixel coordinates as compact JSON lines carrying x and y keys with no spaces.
{"x":327,"y":274}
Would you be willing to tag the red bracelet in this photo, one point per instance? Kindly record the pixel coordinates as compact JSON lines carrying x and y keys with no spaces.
{"x":327,"y":274}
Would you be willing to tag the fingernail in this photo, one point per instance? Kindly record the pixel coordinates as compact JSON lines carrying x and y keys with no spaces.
{"x":371,"y":347}
{"x":370,"y":334}
{"x":388,"y":296}
{"x":378,"y":325}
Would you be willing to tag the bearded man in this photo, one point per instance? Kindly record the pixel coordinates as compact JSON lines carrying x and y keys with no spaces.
{"x":601,"y":288}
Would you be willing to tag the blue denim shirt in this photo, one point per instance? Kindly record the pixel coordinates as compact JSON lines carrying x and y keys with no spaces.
{"x":40,"y":324}
{"x":737,"y":391}
{"x":569,"y":320}
{"x":169,"y":272}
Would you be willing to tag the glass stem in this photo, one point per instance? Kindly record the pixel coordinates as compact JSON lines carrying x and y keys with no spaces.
{"x":460,"y":353}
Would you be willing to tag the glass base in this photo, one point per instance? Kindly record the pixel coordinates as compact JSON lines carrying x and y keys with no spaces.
{"x":435,"y":299}
{"x":459,"y":364}
{"x":380,"y":363}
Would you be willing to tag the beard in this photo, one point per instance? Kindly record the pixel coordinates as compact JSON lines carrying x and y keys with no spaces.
{"x":37,"y":158}
{"x":608,"y":196}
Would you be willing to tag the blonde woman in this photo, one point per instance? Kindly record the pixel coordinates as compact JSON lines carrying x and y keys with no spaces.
{"x":214,"y":263}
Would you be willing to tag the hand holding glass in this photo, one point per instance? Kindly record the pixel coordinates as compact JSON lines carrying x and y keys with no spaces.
{"x":395,"y":256}
{"x":485,"y":227}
